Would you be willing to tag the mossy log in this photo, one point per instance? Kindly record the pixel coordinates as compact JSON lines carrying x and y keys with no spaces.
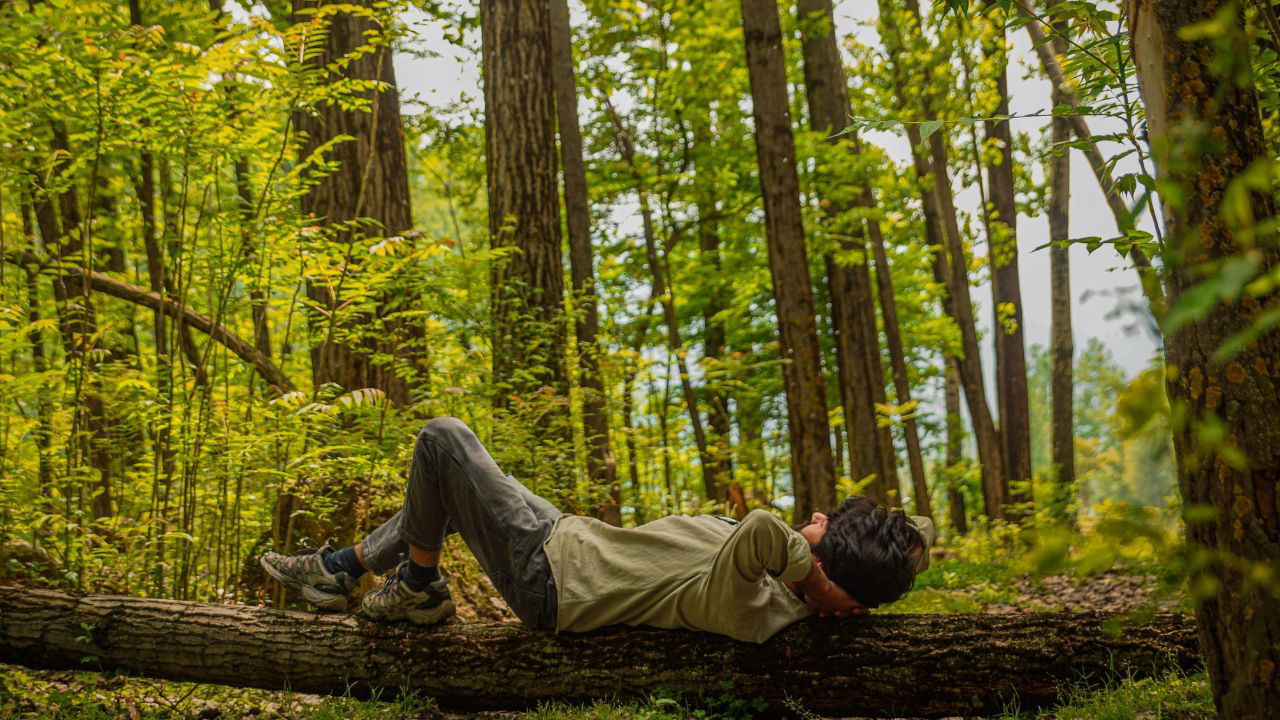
{"x":883,"y":665}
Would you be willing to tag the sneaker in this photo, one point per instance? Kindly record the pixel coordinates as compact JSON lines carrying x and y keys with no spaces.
{"x":307,"y":574}
{"x":395,"y":601}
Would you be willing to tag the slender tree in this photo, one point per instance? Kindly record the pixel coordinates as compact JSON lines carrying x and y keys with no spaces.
{"x":595,"y":412}
{"x":857,"y":344}
{"x":1006,"y":286}
{"x":951,"y":262}
{"x":811,"y":466}
{"x":719,"y":451}
{"x":955,"y":448}
{"x":1062,"y":341}
{"x":898,"y":362}
{"x":657,"y":261}
{"x":1048,"y":53}
{"x":1192,"y":102}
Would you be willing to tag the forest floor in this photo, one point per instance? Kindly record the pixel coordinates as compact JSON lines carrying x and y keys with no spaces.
{"x":950,"y":585}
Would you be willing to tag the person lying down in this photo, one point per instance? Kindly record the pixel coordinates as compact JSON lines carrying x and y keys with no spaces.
{"x":745,"y":579}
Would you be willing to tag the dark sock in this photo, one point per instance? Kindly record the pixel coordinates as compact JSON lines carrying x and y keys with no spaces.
{"x":418,"y":577}
{"x":344,"y":560}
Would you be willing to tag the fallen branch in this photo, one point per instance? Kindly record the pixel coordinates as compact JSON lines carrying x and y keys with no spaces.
{"x":884,"y":665}
{"x":245,"y":351}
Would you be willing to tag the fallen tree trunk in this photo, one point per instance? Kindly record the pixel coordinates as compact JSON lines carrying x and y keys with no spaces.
{"x":885,"y":665}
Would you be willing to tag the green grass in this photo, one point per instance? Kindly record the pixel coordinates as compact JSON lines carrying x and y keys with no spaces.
{"x":32,"y":695}
{"x":1172,"y":697}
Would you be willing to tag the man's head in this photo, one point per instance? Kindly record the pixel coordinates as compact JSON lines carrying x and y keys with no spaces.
{"x":871,"y":552}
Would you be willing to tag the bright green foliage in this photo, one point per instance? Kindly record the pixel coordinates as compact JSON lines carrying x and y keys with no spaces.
{"x":1114,"y":459}
{"x":206,"y":464}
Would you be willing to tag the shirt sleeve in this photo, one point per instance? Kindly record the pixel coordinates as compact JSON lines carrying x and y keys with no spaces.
{"x":761,"y":544}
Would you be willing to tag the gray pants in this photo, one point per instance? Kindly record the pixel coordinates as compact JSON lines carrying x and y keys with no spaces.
{"x":455,"y":486}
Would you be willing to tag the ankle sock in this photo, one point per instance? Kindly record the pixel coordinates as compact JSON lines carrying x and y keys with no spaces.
{"x":418,"y":577}
{"x":344,"y":560}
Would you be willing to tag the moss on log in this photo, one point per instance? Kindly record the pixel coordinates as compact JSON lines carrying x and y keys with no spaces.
{"x":883,"y":665}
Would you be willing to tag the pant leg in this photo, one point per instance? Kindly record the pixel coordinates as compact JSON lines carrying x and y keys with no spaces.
{"x":453,"y":481}
{"x":383,"y":549}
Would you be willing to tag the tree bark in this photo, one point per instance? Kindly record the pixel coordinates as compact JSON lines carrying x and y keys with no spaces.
{"x":720,"y":453}
{"x":1006,"y":286}
{"x":860,"y":371}
{"x":595,"y":412}
{"x":898,"y":363}
{"x":1189,"y":105}
{"x":970,"y":664}
{"x":812,"y":471}
{"x":367,"y":196}
{"x":1061,"y":339}
{"x":955,"y":449}
{"x":524,"y":202}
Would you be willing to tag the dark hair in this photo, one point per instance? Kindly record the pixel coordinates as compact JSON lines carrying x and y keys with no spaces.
{"x":869,"y":551}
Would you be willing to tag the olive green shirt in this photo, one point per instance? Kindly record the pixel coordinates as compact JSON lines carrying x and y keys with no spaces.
{"x":700,"y":573}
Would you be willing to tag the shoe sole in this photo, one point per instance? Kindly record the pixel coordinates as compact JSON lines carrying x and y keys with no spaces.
{"x":439,"y":613}
{"x":310,"y":593}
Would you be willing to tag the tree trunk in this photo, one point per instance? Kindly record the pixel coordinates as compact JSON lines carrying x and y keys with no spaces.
{"x":65,"y":237}
{"x":955,"y":449}
{"x":1189,"y":105}
{"x":951,"y":263}
{"x":666,"y":294}
{"x":970,"y":664}
{"x":1006,"y":287}
{"x":1061,"y":338}
{"x":524,"y":203}
{"x":42,"y":433}
{"x":812,"y":471}
{"x":720,"y":454}
{"x":595,"y":412}
{"x":860,"y":372}
{"x":629,"y":430}
{"x":367,"y":196}
{"x":898,"y":363}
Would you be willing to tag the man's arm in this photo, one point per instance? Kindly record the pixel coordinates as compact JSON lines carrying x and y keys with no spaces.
{"x":761,"y":544}
{"x":824,"y":596}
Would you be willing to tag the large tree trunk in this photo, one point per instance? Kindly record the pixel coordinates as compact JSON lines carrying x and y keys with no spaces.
{"x":1006,"y":287}
{"x":1189,"y":105}
{"x":367,"y":196}
{"x":524,"y":201}
{"x":860,"y":372}
{"x":1061,"y":339}
{"x":812,"y":471}
{"x":930,"y":160}
{"x":886,"y":665}
{"x":595,"y":413}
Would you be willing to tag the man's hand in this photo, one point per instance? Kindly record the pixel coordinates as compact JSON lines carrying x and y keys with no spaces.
{"x":825,"y":597}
